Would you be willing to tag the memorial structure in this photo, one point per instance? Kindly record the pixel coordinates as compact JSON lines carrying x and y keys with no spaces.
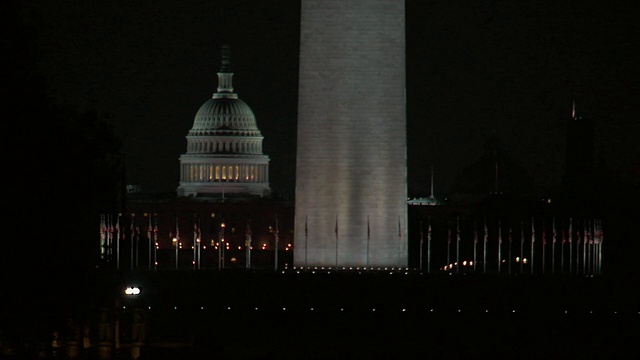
{"x":351,"y":175}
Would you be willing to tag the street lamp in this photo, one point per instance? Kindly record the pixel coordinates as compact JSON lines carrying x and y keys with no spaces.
{"x":132,"y":290}
{"x":175,"y":244}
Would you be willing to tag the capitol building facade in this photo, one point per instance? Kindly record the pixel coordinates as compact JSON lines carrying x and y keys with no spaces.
{"x":224,"y":146}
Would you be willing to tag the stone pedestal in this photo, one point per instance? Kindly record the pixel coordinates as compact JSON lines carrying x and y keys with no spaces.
{"x":104,"y":350}
{"x":136,"y":349}
{"x":74,"y":348}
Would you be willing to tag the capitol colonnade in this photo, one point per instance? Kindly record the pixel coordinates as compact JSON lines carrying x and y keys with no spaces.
{"x":234,"y":172}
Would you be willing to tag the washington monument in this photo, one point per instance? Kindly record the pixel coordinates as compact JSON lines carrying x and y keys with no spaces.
{"x":351,"y":175}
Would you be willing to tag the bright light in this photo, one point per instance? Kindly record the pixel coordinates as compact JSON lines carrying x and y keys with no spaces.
{"x":524,"y":260}
{"x":132,"y":290}
{"x":464,"y":263}
{"x":517,"y":258}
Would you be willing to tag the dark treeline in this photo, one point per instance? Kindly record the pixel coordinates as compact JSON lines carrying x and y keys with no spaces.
{"x":63,"y":169}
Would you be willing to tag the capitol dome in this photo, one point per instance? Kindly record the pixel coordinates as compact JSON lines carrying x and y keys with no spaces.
{"x":224,"y":146}
{"x":225,"y":116}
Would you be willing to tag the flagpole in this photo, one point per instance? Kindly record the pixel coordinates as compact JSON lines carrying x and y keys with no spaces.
{"x":521,"y":247}
{"x":499,"y":245}
{"x":475,"y":245}
{"x":155,"y":242}
{"x":458,"y":244}
{"x":553,"y":248}
{"x":199,"y":242}
{"x":600,"y":249}
{"x":570,"y":245}
{"x":448,"y":246}
{"x":195,"y":241}
{"x":593,"y":247}
{"x":118,"y":243}
{"x":109,"y":235}
{"x":306,"y":240}
{"x":562,"y":247}
{"x":102,"y":238}
{"x":176,"y":240}
{"x":429,"y":245}
{"x":421,"y":244}
{"x":485,"y":235}
{"x":590,"y":240}
{"x":149,"y":239}
{"x":596,"y":241}
{"x":247,"y":246}
{"x":224,"y":245}
{"x":544,"y":245}
{"x":533,"y":240}
{"x":585,"y":241}
{"x":510,"y":239}
{"x":220,"y":244}
{"x":104,"y":231}
{"x":277,"y":233}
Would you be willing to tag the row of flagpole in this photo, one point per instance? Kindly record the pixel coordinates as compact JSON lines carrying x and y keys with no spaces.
{"x":588,"y":254}
{"x":113,"y":233}
{"x":588,"y":261}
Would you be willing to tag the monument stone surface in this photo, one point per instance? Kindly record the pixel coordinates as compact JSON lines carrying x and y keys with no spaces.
{"x":351,"y":176}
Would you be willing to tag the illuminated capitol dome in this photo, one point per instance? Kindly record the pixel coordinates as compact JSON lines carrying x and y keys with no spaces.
{"x":224,"y":146}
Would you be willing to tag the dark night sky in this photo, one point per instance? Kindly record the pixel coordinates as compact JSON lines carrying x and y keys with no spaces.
{"x":473,"y":69}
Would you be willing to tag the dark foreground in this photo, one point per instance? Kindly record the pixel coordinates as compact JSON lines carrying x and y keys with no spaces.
{"x":267,"y":315}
